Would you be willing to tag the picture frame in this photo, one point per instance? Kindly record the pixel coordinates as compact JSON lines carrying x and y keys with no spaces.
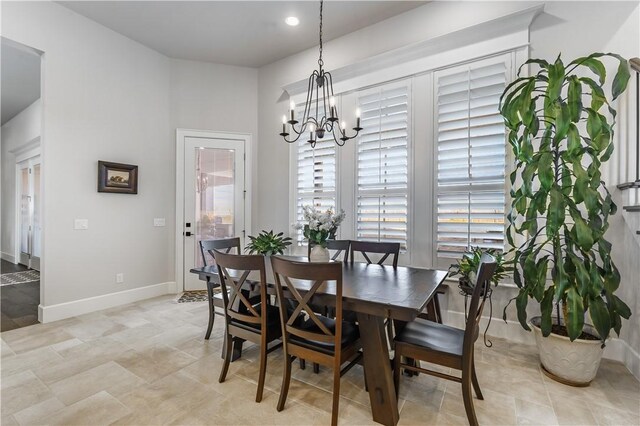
{"x":117,"y":178}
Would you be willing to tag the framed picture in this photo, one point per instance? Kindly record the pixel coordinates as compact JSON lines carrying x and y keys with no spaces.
{"x":117,"y":178}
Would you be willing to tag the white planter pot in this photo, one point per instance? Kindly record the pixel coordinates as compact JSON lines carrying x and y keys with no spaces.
{"x":319,"y":254}
{"x":573,"y":363}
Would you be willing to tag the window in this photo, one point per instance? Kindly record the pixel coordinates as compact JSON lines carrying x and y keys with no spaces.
{"x":382,"y":162}
{"x":470,"y":136}
{"x":316,"y":175}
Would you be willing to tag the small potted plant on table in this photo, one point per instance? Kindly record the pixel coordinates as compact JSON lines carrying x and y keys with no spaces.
{"x":268,"y":243}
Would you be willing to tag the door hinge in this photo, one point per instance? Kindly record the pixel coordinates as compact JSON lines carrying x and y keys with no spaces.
{"x":244,"y":194}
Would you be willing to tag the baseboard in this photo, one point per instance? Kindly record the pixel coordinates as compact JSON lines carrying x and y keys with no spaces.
{"x":616,"y":349}
{"x":8,"y":257}
{"x":91,"y":304}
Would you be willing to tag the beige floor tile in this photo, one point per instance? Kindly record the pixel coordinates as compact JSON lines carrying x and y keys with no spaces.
{"x":80,"y":358}
{"x":530,"y":413}
{"x":30,"y":415}
{"x":109,"y":377}
{"x":21,"y":391}
{"x":37,"y":358}
{"x":607,"y":416}
{"x":414,"y":413}
{"x":166,"y":400}
{"x":147,"y":363}
{"x":5,"y":349}
{"x":573,"y":412}
{"x":93,"y":329}
{"x":67,"y":344}
{"x":8,"y":420}
{"x":154,"y":362}
{"x":100,"y":408}
{"x":34,"y":337}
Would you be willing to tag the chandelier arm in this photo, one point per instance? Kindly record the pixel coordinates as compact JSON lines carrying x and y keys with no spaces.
{"x":292,"y":140}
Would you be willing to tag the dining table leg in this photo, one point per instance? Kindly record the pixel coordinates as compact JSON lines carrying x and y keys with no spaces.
{"x":377,"y":369}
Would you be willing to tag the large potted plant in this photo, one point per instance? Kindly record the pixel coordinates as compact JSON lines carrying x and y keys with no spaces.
{"x":560,"y":125}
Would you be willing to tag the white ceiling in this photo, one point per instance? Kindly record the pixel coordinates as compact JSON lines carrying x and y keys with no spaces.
{"x":20,"y":83}
{"x":247,"y":33}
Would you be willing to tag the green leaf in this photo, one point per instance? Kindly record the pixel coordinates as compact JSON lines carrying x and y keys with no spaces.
{"x":574,"y":98}
{"x":583,"y":233}
{"x":597,"y":67}
{"x":621,"y":78}
{"x":521,"y":306}
{"x":597,"y":94}
{"x":555,"y":216}
{"x":621,"y":307}
{"x":600,"y":317}
{"x":546,"y":309}
{"x":575,"y":309}
{"x":573,"y":141}
{"x":545,"y":170}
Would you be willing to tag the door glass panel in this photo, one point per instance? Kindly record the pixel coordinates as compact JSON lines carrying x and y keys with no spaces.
{"x":214,"y":201}
{"x":37,"y":228}
{"x":24,"y":210}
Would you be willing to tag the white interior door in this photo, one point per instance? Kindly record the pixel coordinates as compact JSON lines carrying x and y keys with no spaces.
{"x":29,"y":212}
{"x":214,"y":193}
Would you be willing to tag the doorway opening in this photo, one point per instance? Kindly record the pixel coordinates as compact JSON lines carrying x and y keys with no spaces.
{"x":21,"y":185}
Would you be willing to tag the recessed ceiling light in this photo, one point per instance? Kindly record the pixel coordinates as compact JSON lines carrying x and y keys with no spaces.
{"x":292,"y":21}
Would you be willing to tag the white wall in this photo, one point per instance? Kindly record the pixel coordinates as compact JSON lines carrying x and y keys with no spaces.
{"x":573,"y":28}
{"x":104,"y":98}
{"x":16,"y":133}
{"x":216,"y":97}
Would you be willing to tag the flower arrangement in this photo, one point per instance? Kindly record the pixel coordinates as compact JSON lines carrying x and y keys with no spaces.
{"x":318,"y":225}
{"x":268,"y":243}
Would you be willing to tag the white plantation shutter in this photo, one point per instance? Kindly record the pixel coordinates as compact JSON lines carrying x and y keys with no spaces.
{"x":471,"y":152}
{"x":382,"y":161}
{"x":316,"y":179}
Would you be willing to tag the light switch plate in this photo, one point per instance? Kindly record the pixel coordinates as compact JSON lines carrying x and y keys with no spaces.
{"x":159,"y":221}
{"x":81,"y":224}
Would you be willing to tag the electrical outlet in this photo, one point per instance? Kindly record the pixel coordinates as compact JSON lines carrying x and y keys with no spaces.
{"x":159,"y":221}
{"x":119,"y":278}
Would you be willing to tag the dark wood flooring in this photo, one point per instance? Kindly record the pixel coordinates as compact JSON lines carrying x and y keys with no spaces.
{"x":18,"y":302}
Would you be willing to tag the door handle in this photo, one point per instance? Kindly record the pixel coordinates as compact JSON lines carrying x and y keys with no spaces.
{"x":187,"y":234}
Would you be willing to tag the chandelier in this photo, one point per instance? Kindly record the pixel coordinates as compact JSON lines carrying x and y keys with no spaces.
{"x":320,"y":102}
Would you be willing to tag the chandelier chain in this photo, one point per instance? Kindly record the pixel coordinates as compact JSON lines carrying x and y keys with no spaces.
{"x":320,"y":61}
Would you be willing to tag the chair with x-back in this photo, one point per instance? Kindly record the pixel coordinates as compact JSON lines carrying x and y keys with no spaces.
{"x":326,"y":341}
{"x":207,"y":248}
{"x":368,"y":247}
{"x":256,"y":322}
{"x":450,"y":347}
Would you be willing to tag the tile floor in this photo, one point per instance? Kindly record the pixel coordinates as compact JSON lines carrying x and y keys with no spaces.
{"x":147,"y":364}
{"x":18,"y":302}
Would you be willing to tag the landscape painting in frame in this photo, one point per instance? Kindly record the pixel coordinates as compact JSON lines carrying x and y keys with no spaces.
{"x":117,"y":178}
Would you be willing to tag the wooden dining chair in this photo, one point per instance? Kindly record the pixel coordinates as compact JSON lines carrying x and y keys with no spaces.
{"x":323,"y":340}
{"x":215,"y":299}
{"x":258,"y":323}
{"x":451,"y":347}
{"x":340,"y":246}
{"x":369,"y":247}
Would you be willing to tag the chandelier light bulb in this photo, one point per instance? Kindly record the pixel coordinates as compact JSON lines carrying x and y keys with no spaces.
{"x":284,"y":119}
{"x":312,"y":128}
{"x":332,"y":101}
{"x":357,"y":112}
{"x":343,"y":125}
{"x":292,"y":105}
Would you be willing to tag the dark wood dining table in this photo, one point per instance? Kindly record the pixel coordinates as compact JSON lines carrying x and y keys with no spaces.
{"x":374,"y":292}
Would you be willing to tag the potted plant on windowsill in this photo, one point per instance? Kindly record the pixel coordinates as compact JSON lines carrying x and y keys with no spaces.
{"x":268,"y":243}
{"x":318,"y":227}
{"x":468,"y":265}
{"x":560,"y":125}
